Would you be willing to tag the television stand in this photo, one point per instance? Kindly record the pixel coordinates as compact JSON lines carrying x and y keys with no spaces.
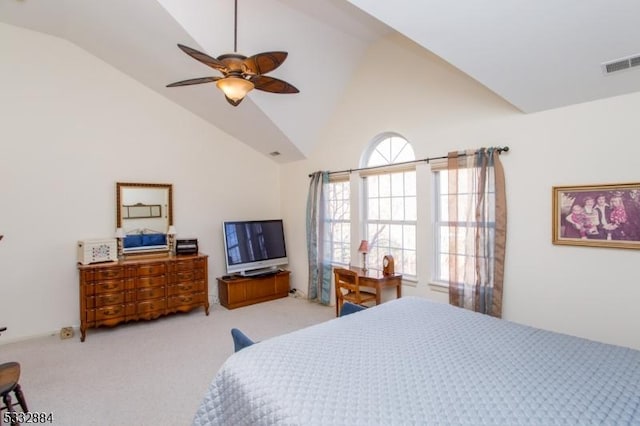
{"x":238,"y":291}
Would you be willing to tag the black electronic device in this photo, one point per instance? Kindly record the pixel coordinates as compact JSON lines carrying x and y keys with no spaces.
{"x":187,"y":246}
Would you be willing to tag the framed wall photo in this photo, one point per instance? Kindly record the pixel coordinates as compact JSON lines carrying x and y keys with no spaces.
{"x":597,"y":215}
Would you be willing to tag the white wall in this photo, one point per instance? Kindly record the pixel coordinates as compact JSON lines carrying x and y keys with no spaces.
{"x":71,"y":127}
{"x":584,"y":291}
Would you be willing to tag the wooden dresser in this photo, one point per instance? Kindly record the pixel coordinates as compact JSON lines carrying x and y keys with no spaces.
{"x":141,"y":288}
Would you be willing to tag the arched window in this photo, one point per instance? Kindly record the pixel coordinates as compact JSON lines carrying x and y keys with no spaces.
{"x":387,"y":149}
{"x":389,"y":202}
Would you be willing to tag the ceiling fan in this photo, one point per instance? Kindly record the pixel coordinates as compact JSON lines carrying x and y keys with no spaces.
{"x":240,"y":74}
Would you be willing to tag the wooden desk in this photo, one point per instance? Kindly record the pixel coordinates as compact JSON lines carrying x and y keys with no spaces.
{"x":374,"y":279}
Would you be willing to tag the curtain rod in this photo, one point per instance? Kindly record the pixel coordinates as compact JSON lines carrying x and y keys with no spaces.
{"x":500,"y":150}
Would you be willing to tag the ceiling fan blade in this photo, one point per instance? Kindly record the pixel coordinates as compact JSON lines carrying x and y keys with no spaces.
{"x":264,"y":62}
{"x":194,"y":81}
{"x":204,"y":58}
{"x":273,"y":85}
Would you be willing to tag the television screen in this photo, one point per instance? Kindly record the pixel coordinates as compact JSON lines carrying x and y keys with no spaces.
{"x":254,"y":245}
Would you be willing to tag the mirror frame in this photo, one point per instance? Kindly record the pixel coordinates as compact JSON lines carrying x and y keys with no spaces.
{"x":120,"y":186}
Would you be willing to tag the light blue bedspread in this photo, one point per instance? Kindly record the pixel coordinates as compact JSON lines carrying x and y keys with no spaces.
{"x":412,"y":361}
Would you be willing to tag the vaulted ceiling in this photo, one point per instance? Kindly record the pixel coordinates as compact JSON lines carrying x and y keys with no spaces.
{"x":537,"y":55}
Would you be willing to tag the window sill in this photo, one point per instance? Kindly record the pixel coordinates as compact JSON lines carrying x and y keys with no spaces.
{"x":410,"y":282}
{"x":439,"y":287}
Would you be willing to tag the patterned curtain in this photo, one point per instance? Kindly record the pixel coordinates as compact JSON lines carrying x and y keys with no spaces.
{"x":319,"y":264}
{"x":477,"y":234}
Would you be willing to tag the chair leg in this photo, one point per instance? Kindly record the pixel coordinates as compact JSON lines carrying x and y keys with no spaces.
{"x":6,"y":399}
{"x":20,"y":397}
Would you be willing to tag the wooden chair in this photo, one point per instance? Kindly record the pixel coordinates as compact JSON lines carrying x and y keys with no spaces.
{"x":348,"y":289}
{"x":9,"y":376}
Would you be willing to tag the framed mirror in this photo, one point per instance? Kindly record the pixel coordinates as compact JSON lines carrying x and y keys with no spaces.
{"x":144,"y":213}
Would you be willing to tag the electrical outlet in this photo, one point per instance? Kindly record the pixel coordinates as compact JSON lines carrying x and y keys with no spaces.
{"x":66,"y":332}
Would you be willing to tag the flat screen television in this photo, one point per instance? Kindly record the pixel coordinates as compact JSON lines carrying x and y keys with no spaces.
{"x":254,"y":246}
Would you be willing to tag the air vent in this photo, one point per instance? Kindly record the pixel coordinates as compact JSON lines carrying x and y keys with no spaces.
{"x":621,"y":64}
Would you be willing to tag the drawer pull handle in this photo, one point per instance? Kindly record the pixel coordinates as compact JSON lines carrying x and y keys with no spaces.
{"x":109,"y":286}
{"x":112,"y":312}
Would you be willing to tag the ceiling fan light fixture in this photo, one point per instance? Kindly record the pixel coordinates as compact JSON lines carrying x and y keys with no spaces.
{"x":235,"y":88}
{"x":240,"y":74}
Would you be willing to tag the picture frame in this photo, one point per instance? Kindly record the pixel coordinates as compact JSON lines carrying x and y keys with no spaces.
{"x":606,"y":215}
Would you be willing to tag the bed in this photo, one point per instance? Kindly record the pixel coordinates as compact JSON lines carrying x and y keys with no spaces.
{"x":413,"y":361}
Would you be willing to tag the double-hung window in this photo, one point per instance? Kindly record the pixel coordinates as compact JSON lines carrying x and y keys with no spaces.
{"x":389,"y":205}
{"x":339,"y":220}
{"x":465,"y":191}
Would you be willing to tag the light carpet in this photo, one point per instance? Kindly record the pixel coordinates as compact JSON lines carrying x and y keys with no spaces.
{"x":148,"y":372}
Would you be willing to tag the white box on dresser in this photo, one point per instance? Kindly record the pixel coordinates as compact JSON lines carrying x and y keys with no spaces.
{"x":97,"y":250}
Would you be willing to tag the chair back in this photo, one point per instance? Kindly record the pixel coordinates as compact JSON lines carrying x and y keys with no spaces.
{"x":348,"y":280}
{"x":240,"y":340}
{"x":349,"y":308}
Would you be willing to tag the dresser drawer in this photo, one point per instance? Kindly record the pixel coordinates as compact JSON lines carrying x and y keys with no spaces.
{"x":185,"y":276}
{"x":108,"y":312}
{"x":184,"y":265}
{"x":151,"y":306}
{"x":108,"y":286}
{"x":111,"y":314}
{"x":152,"y":281}
{"x":185,"y":288}
{"x":109,"y":299}
{"x":150,"y":293}
{"x":108,"y":273}
{"x":152,"y":269}
{"x":186,"y":299}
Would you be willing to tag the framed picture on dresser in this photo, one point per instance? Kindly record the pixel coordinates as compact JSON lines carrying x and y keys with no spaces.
{"x":606,"y":215}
